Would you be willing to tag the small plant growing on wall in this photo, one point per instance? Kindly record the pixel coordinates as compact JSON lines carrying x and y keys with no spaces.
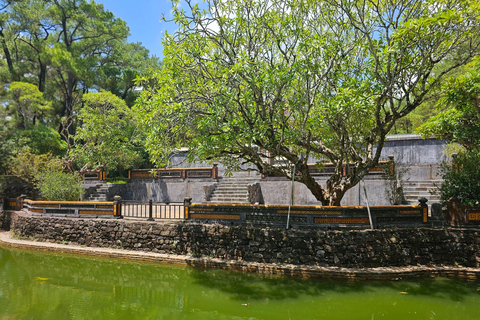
{"x":395,"y":179}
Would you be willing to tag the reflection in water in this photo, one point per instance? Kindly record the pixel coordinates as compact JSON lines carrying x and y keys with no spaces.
{"x":37,"y":285}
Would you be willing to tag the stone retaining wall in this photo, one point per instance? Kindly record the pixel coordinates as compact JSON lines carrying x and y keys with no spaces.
{"x":377,"y":248}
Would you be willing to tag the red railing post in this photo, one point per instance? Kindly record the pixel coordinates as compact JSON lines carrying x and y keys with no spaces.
{"x":117,"y":207}
{"x":150,"y":210}
{"x":186,"y":202}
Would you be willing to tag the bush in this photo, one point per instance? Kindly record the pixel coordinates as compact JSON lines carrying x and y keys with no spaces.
{"x":462,"y":179}
{"x":31,"y":168}
{"x":60,"y":186}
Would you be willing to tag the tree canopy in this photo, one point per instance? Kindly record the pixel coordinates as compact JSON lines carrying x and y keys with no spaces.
{"x":460,"y":119}
{"x":107,"y":134}
{"x":67,"y":48}
{"x":249,"y":81}
{"x":52,"y":53}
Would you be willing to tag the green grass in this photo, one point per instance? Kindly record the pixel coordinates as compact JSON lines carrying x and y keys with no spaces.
{"x":117,"y":182}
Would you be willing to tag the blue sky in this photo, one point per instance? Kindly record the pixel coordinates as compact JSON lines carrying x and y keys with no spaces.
{"x":143,"y":17}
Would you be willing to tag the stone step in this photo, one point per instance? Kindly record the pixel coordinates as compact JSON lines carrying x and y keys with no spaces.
{"x":425,"y":183}
{"x":416,"y":196}
{"x":240,"y":182}
{"x":231,"y":202}
{"x":233,"y":195}
{"x":233,"y":185}
{"x":230,"y":188}
{"x":98,"y":199}
{"x":223,"y":197}
{"x":240,"y":192}
{"x":98,"y":194}
{"x":233,"y":190}
{"x":422,"y":188}
{"x":419,"y":192}
{"x":241,"y":179}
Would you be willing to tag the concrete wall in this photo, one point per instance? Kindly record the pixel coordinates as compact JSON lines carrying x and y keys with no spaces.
{"x":274,"y":191}
{"x":407,"y":149}
{"x":278,"y":190}
{"x":415,"y":151}
{"x":420,"y":158}
{"x":167,"y":190}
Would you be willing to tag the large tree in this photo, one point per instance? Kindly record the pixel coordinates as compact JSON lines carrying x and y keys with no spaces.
{"x":67,"y":48}
{"x":254,"y":81}
{"x":107,"y":135}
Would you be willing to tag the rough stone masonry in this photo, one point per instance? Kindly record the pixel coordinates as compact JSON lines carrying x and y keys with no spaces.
{"x":359,"y":249}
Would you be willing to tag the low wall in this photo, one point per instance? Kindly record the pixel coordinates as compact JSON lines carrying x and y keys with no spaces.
{"x":373,"y":248}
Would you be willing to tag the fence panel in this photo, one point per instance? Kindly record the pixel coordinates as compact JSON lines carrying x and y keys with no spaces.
{"x":311,"y":216}
{"x":71,"y":208}
{"x":152,"y":210}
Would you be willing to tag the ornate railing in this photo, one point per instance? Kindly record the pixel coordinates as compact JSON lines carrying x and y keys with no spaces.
{"x":327,"y":169}
{"x":310,"y":216}
{"x":152,"y":210}
{"x":73,"y":208}
{"x":342,"y":217}
{"x":93,"y":175}
{"x":172,"y":173}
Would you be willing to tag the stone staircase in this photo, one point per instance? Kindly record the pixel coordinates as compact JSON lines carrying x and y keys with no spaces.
{"x":414,"y":189}
{"x":232,"y":190}
{"x":100,"y":193}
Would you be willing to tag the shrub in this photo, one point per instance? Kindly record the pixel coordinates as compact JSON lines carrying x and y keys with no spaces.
{"x":31,"y":168}
{"x":60,"y":186}
{"x":462,"y":179}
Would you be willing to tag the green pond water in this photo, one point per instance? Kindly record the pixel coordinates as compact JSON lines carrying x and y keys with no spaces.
{"x":37,"y":285}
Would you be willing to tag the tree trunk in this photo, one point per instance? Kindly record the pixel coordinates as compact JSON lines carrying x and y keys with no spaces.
{"x":42,"y":75}
{"x":8,"y":57}
{"x":67,"y":131}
